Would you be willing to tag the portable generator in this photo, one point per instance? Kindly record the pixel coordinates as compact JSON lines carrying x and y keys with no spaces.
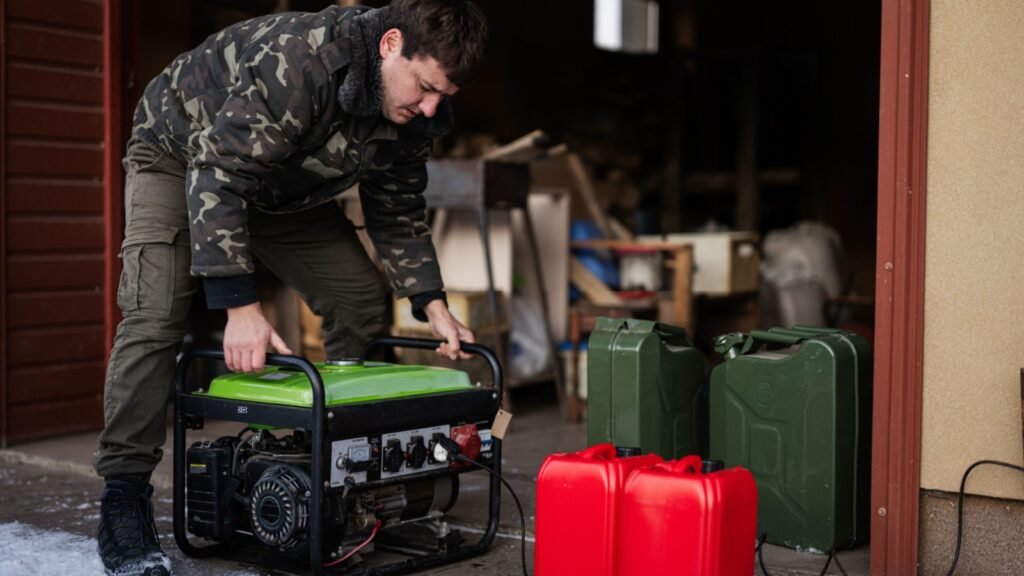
{"x":339,"y":464}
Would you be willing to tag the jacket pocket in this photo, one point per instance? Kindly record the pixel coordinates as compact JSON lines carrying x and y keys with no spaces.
{"x":148,"y":274}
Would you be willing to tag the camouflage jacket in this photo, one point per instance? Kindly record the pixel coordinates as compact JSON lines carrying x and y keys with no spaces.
{"x":282,"y":113}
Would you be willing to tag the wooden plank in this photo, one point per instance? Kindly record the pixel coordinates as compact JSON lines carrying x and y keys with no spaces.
{"x":682,"y":288}
{"x":74,"y":14}
{"x":56,"y":382}
{"x":591,"y":286}
{"x":26,"y":347}
{"x":37,"y":309}
{"x":44,"y":44}
{"x":53,"y":196}
{"x":60,"y":272}
{"x":54,"y":84}
{"x":619,"y":230}
{"x":44,"y":159}
{"x":64,"y":121}
{"x":54,"y":233}
{"x":522,"y":149}
{"x":585,"y":187}
{"x":43,"y":420}
{"x":623,"y":244}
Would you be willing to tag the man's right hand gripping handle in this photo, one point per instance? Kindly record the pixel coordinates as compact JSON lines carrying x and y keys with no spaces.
{"x":246,"y":337}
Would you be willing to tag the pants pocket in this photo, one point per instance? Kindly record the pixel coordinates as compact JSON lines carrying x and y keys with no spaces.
{"x":148,"y":275}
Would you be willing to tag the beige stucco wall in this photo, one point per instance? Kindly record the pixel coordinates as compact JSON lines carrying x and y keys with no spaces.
{"x":974,"y":302}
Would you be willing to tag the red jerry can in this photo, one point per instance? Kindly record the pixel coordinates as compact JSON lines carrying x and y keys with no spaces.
{"x":578,"y":508}
{"x":678,"y":520}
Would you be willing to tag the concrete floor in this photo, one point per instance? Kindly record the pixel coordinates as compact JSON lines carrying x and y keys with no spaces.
{"x":43,"y":481}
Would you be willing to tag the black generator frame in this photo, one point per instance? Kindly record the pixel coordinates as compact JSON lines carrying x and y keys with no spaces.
{"x":338,"y":422}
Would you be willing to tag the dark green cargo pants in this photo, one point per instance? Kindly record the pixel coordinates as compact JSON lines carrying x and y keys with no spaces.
{"x":315,"y":251}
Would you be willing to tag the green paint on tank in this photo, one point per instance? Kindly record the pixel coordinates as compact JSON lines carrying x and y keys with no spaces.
{"x":644,"y":385}
{"x":370,"y":382}
{"x":793,"y":406}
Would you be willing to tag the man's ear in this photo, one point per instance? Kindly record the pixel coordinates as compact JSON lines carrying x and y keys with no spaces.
{"x":390,"y":42}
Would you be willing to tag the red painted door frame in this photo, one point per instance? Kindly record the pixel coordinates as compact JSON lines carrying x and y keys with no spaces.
{"x":899,"y":287}
{"x":113,"y":137}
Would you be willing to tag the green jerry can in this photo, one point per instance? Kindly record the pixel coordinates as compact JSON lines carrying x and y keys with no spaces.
{"x":644,"y":388}
{"x":793,"y":405}
{"x":864,"y":378}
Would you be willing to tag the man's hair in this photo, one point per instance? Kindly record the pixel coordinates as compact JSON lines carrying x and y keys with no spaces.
{"x":453,"y":32}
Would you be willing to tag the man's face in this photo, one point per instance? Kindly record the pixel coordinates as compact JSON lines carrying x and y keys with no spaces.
{"x":411,"y":86}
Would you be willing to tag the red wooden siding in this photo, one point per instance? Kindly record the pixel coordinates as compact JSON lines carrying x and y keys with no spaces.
{"x":55,"y":308}
{"x":54,"y":243}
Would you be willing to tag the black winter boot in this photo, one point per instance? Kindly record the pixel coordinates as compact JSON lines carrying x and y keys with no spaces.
{"x":127,"y":537}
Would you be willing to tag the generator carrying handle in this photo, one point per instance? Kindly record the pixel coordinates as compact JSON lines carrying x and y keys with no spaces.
{"x":429,"y":344}
{"x":299,"y":362}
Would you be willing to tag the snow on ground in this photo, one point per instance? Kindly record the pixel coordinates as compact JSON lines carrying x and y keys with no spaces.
{"x":29,"y":551}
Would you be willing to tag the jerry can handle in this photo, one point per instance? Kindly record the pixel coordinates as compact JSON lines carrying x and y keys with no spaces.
{"x":691,"y":464}
{"x":603,"y":451}
{"x":776,"y":338}
{"x":795,"y":332}
{"x":738,"y":344}
{"x":667,"y":331}
{"x":816,"y":329}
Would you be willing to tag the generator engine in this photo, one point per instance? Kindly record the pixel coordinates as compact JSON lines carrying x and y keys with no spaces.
{"x":257,"y":485}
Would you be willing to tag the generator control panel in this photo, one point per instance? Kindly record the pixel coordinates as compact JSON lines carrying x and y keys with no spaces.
{"x":368,"y":459}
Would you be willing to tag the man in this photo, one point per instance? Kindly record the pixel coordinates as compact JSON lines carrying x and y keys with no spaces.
{"x":239,"y":148}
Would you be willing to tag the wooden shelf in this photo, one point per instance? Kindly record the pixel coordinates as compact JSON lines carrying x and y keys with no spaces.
{"x":679,"y":259}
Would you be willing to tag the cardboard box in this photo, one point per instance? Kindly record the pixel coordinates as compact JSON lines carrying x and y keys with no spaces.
{"x":461,"y":257}
{"x":724,"y":262}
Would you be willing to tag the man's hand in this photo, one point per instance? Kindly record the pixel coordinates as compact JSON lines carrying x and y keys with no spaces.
{"x":246,"y":337}
{"x":444,"y":326}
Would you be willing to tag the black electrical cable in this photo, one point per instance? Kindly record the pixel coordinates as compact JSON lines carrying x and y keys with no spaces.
{"x":960,"y":505}
{"x":522,"y":517}
{"x":828,"y":561}
{"x":760,"y":557}
{"x":838,"y":565}
{"x":833,"y":555}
